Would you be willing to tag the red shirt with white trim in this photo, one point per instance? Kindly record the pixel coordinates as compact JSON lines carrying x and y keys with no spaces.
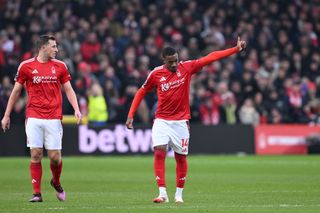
{"x":43,"y":84}
{"x":172,"y":89}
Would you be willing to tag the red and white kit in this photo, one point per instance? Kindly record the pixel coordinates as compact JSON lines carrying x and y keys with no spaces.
{"x":43,"y":82}
{"x":173,"y":110}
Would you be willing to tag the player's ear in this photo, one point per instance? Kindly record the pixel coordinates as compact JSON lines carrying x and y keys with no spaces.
{"x":163,"y":59}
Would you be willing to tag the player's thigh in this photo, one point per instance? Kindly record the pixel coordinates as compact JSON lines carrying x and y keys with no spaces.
{"x":53,"y":134}
{"x":179,"y":139}
{"x":160,"y":130}
{"x":34,"y":132}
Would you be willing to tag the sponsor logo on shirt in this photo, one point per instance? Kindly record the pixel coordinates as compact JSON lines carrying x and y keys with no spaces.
{"x":36,"y":79}
{"x":172,"y":84}
{"x":165,"y":87}
{"x":44,"y":79}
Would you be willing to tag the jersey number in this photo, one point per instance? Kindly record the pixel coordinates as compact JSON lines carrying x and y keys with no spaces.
{"x":185,"y":142}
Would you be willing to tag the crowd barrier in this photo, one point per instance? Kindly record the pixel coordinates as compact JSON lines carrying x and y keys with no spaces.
{"x":118,"y":140}
{"x":287,"y":139}
{"x":222,"y":139}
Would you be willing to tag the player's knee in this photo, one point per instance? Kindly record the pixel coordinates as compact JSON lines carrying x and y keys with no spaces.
{"x":55,"y":158}
{"x":55,"y":161}
{"x":161,"y":147}
{"x":36,"y":157}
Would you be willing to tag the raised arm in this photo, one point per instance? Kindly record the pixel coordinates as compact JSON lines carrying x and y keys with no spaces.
{"x":5,"y":123}
{"x":211,"y":57}
{"x":134,"y":106}
{"x":72,"y":98}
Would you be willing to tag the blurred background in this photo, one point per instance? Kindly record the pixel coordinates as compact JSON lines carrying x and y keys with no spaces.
{"x":111,"y":46}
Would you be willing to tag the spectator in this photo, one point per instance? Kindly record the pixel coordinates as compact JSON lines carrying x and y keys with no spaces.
{"x":295,"y":102}
{"x":211,"y":112}
{"x":248,"y":113}
{"x":97,"y":106}
{"x":90,"y":49}
{"x":127,"y":37}
{"x":315,"y":116}
{"x":124,"y":106}
{"x":230,"y":109}
{"x":83,"y":79}
{"x":275,"y":116}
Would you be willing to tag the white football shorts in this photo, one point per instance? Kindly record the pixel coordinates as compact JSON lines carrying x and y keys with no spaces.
{"x":44,"y":132}
{"x":175,"y":134}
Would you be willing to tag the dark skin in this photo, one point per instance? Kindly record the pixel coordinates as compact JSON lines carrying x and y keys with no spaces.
{"x":171,"y":62}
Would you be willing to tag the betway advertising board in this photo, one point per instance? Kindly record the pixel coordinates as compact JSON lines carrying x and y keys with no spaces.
{"x":116,"y":139}
{"x":283,"y":139}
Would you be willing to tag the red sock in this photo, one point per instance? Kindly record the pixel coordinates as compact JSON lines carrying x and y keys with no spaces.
{"x":181,"y":169}
{"x":56,"y":172}
{"x":36,"y":174}
{"x":159,"y":167}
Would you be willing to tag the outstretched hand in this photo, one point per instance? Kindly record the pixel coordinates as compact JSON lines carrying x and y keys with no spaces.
{"x":129,"y":123}
{"x":241,"y":44}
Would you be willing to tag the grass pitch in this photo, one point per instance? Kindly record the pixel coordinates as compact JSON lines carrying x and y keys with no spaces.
{"x":126,"y":184}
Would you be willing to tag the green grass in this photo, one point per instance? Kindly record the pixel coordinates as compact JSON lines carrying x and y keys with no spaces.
{"x":126,"y":184}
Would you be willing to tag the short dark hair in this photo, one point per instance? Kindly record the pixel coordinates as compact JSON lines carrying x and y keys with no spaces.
{"x":168,"y":51}
{"x":43,"y":40}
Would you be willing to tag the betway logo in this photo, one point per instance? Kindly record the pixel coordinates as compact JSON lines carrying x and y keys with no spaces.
{"x":120,"y":140}
{"x":280,"y":140}
{"x":286,"y":140}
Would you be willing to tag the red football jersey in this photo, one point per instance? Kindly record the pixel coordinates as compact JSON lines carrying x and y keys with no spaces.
{"x":172,"y":89}
{"x":42,"y":82}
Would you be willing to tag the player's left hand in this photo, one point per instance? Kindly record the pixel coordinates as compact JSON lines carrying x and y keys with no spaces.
{"x":78,"y":116}
{"x":5,"y":123}
{"x":241,"y":44}
{"x":129,"y":123}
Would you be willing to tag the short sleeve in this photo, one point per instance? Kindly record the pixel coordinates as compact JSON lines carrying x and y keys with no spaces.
{"x":21,"y":74}
{"x":65,"y":76}
{"x":149,"y":83}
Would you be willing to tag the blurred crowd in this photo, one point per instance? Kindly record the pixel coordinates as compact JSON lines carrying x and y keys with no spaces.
{"x":110,"y":47}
